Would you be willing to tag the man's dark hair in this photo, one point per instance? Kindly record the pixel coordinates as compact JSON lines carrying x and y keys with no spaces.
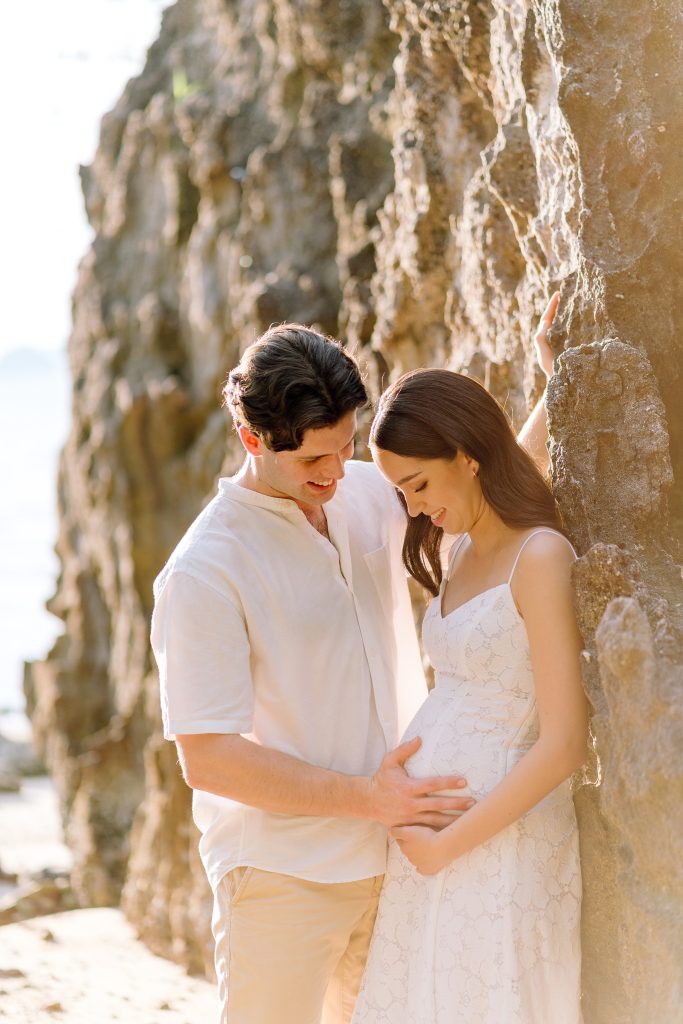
{"x":290,"y":380}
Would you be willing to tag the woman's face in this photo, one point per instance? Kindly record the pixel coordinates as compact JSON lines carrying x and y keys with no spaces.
{"x":446,"y":490}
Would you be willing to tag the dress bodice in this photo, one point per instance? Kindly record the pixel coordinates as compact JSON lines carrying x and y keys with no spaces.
{"x":481,"y":715}
{"x":483,"y":639}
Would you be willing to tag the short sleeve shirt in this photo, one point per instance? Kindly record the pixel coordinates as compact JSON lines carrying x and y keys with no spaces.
{"x":263,"y":627}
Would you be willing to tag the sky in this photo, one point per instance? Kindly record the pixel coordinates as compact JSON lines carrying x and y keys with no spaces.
{"x":63,"y":63}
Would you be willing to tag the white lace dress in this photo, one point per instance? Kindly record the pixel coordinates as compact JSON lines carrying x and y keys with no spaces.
{"x":494,"y":937}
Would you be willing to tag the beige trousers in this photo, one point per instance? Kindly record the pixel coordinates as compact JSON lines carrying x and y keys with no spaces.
{"x":290,"y":951}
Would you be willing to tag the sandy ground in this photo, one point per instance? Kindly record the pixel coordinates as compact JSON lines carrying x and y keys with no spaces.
{"x":86,"y":966}
{"x":82,"y":966}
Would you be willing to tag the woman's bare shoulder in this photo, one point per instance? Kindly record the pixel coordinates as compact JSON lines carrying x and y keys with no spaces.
{"x":545,"y":554}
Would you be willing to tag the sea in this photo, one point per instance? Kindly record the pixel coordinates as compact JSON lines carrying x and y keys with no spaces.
{"x":34,"y":420}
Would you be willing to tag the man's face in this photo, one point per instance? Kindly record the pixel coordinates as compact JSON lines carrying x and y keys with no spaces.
{"x":309,"y":474}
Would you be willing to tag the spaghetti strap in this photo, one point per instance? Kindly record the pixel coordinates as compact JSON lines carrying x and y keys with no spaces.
{"x":452,"y":554}
{"x":542,"y":529}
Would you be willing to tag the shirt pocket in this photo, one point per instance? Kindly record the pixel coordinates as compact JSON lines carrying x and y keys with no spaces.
{"x":378,"y":564}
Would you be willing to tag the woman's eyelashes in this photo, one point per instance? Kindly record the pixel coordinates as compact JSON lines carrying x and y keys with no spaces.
{"x":421,"y":487}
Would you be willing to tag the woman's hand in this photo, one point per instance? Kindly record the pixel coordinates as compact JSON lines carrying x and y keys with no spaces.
{"x":421,"y":846}
{"x":544,"y":353}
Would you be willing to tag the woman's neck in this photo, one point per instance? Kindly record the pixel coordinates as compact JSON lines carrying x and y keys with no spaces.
{"x":489,"y":534}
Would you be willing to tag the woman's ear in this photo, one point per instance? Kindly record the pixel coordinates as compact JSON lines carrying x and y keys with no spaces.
{"x":472,"y":464}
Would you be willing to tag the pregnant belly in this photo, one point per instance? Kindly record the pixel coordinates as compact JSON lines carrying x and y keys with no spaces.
{"x":457,"y":740}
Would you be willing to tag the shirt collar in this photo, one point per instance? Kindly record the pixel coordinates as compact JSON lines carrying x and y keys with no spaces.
{"x":335,"y":510}
{"x":248,"y":497}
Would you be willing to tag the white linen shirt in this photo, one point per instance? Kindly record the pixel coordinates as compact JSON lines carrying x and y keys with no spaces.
{"x":263,"y":627}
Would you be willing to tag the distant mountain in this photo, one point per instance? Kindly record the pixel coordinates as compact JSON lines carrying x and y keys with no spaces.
{"x":31,"y":361}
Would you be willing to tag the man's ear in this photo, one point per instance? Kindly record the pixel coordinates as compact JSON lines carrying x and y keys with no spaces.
{"x":251,"y":441}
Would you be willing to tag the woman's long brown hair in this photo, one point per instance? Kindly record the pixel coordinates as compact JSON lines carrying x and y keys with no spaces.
{"x":434,"y":414}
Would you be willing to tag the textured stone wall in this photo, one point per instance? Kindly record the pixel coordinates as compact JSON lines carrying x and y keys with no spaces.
{"x":415,"y":178}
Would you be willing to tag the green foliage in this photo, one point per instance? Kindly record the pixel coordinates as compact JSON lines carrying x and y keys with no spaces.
{"x":182,"y":88}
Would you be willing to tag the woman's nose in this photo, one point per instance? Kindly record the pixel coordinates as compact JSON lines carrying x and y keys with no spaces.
{"x":414,"y":505}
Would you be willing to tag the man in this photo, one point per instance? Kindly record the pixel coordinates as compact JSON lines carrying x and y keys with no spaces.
{"x":289,"y":666}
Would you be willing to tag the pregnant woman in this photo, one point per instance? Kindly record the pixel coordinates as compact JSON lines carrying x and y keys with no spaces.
{"x":479,"y":923}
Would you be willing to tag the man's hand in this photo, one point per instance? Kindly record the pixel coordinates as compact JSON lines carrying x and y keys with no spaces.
{"x":544,"y":353}
{"x":421,"y":846}
{"x":398,"y":799}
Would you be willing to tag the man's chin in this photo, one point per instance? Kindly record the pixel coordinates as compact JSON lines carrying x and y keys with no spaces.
{"x":319,"y":495}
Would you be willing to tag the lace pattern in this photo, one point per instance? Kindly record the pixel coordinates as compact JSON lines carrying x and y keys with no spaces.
{"x":494,"y":937}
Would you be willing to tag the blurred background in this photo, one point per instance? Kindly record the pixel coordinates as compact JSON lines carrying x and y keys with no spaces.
{"x":57,"y":82}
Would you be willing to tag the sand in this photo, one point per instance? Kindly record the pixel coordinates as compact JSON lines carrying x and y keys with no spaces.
{"x":86,"y":966}
{"x":80,"y":966}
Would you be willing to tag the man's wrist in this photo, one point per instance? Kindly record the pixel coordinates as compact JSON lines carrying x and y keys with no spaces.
{"x":356,"y":799}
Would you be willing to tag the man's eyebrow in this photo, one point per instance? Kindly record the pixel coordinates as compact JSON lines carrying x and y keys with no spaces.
{"x":407,"y":478}
{"x":310,"y":458}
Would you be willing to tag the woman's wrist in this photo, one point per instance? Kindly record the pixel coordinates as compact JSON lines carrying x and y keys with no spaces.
{"x":450,"y":841}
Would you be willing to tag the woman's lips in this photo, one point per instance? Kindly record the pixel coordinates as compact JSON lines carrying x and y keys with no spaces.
{"x":438,"y":517}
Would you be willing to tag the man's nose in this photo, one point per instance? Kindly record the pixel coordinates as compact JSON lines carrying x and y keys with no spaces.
{"x":335,"y":465}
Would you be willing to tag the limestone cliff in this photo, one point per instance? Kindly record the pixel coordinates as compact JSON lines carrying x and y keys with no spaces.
{"x":414,"y":178}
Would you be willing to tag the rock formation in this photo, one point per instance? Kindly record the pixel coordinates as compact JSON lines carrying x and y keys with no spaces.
{"x":414,"y":177}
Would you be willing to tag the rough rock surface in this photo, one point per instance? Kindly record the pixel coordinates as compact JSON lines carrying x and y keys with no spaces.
{"x":414,"y":177}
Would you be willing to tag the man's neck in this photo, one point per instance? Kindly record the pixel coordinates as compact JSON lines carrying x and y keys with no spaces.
{"x":317,"y":518}
{"x":246,"y":476}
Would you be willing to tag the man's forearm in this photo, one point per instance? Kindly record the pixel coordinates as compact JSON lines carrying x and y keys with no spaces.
{"x":533,"y":436}
{"x":242,"y":770}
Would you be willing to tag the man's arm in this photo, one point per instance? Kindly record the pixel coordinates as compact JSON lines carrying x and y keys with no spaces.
{"x":232,"y":766}
{"x":534,"y":434}
{"x":203,"y":652}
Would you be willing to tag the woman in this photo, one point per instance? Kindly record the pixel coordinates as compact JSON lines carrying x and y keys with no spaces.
{"x":479,"y":923}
